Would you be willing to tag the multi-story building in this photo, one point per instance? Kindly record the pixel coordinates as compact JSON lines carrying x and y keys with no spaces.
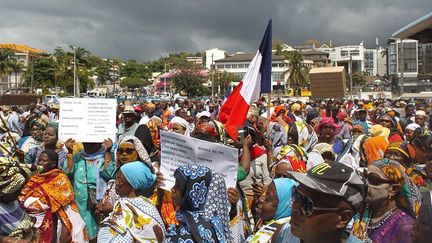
{"x":402,"y":62}
{"x":13,"y":81}
{"x":415,"y":75}
{"x":213,"y":55}
{"x":239,"y":63}
{"x":357,"y":58}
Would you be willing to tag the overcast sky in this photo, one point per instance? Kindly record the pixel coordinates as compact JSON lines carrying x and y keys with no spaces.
{"x":144,"y":29}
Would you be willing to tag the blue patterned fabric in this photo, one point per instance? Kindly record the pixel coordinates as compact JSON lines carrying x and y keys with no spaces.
{"x":194,"y":225}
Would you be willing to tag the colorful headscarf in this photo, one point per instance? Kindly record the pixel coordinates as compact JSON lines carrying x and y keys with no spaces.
{"x":209,"y":128}
{"x":153,"y":127}
{"x":409,"y":197}
{"x":402,"y":147}
{"x":13,"y":176}
{"x":139,"y":175}
{"x":374,"y":148}
{"x":194,"y":181}
{"x":304,"y":134}
{"x":284,"y":190}
{"x":139,"y":147}
{"x":324,"y":121}
{"x":39,"y":123}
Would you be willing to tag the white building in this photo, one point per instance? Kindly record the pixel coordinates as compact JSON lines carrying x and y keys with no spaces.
{"x":13,"y":81}
{"x":213,"y":55}
{"x":361,"y":58}
{"x":239,"y":63}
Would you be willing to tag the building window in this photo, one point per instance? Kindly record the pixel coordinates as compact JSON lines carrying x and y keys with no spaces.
{"x":355,"y":53}
{"x":220,"y":66}
{"x":344,"y":53}
{"x":234,"y":66}
{"x":227,"y":66}
{"x":241,"y":66}
{"x":274,"y":64}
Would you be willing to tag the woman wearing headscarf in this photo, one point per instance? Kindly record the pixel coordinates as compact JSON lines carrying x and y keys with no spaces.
{"x":154,"y":132}
{"x":374,"y":148}
{"x":303,"y":135}
{"x":89,"y":171}
{"x":49,"y":198}
{"x":287,"y":158}
{"x":409,"y":131}
{"x":50,"y":141}
{"x":130,"y":149}
{"x":179,"y":125}
{"x":402,"y":153}
{"x":392,"y":201}
{"x":134,"y":215}
{"x":390,"y":122}
{"x":15,"y":223}
{"x":37,"y":128}
{"x":189,"y":195}
{"x":274,"y":209}
{"x":326,"y":131}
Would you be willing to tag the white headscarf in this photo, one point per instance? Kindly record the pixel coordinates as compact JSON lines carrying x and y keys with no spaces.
{"x":182,"y":122}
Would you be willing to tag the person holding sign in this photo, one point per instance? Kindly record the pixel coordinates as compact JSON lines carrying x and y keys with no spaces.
{"x":89,"y":170}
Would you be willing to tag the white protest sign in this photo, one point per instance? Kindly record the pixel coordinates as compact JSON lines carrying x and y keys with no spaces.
{"x":87,"y":120}
{"x":177,"y":150}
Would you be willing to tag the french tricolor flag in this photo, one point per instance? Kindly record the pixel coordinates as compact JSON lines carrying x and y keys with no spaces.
{"x":257,"y":80}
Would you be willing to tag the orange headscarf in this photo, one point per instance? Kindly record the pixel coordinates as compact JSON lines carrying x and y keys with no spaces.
{"x":374,"y":148}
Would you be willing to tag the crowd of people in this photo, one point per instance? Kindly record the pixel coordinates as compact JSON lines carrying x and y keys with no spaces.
{"x":331,"y":170}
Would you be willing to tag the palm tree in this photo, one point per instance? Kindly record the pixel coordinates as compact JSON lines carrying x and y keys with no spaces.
{"x":17,"y":67}
{"x":298,"y":73}
{"x":5,"y":64}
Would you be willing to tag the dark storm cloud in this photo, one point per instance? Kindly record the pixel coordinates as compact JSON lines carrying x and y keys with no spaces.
{"x":144,"y":30}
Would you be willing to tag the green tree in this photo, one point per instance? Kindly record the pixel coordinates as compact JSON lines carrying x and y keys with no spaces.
{"x":298,"y":73}
{"x":5,"y":65}
{"x":134,"y":69}
{"x":102,"y":70}
{"x":17,"y":67}
{"x":133,"y":82}
{"x":189,"y":81}
{"x":359,"y":79}
{"x":277,"y":45}
{"x":44,"y":69}
{"x":224,"y":80}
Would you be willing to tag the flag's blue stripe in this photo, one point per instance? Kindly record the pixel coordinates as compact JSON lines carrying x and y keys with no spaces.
{"x":266,"y":64}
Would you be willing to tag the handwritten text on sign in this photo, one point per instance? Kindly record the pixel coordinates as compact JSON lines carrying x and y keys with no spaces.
{"x":178,"y":150}
{"x":87,"y":120}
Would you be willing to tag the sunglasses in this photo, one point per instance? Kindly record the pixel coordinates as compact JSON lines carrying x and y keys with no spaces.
{"x":126,"y":150}
{"x":307,"y":205}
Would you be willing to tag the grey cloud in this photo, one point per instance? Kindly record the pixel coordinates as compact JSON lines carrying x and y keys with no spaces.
{"x":143,"y":30}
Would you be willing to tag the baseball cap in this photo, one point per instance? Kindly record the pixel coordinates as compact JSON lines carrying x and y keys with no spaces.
{"x":335,"y":179}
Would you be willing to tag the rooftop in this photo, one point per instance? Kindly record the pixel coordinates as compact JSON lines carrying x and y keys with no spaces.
{"x":21,"y":48}
{"x":420,"y":29}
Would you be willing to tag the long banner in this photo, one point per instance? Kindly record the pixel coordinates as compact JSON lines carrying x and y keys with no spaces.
{"x":87,"y":120}
{"x":177,"y":150}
